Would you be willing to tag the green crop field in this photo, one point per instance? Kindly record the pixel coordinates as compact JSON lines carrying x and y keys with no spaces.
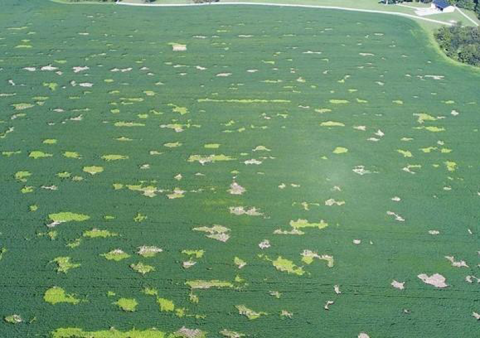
{"x":235,"y":171}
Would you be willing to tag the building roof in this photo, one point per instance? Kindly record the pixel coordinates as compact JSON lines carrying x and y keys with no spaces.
{"x":442,"y":4}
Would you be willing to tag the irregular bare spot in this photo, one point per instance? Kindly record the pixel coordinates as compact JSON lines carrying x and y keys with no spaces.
{"x":332,"y":124}
{"x":249,"y":313}
{"x":436,"y":280}
{"x":189,"y":333}
{"x":141,"y":268}
{"x":332,"y":202}
{"x":398,"y":285}
{"x":116,"y":255}
{"x":236,"y":189}
{"x":240,"y":263}
{"x":204,"y":284}
{"x":177,"y":193}
{"x":360,"y":170}
{"x":209,"y":158}
{"x":308,"y":256}
{"x":327,"y":304}
{"x":217,"y":232}
{"x":179,"y":48}
{"x":80,"y":69}
{"x":13,"y":319}
{"x":397,"y":216}
{"x":303,"y":223}
{"x":265,"y":244}
{"x":253,"y":161}
{"x":148,"y":251}
{"x":456,"y":264}
{"x":239,"y":211}
{"x":231,"y":334}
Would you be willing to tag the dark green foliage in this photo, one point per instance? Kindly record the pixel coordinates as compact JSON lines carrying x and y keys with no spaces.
{"x":466,"y":4}
{"x":460,"y":43}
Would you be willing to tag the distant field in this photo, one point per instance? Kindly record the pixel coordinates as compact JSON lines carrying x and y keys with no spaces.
{"x":407,"y":8}
{"x":292,"y":173}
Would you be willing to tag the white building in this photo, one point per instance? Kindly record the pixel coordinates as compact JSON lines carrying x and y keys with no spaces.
{"x":443,"y":6}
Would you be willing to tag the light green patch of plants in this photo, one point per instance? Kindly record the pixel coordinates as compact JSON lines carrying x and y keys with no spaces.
{"x":67,"y":216}
{"x":39,"y":154}
{"x":127,"y":304}
{"x":93,"y":170}
{"x":116,"y":255}
{"x":64,"y":264}
{"x":57,"y":295}
{"x":288,"y":266}
{"x":142,"y":268}
{"x":97,"y":233}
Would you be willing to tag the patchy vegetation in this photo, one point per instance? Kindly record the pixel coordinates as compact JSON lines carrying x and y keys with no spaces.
{"x":233,"y":171}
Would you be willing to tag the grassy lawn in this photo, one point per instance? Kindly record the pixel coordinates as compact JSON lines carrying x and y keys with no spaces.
{"x":291,"y":173}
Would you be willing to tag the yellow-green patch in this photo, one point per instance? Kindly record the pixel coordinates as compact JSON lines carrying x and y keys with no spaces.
{"x":209,"y":158}
{"x":71,"y":154}
{"x":166,"y":305}
{"x":340,"y":150}
{"x":116,"y":255}
{"x":249,"y":313}
{"x":244,"y":101}
{"x":97,"y":233}
{"x":212,"y":146}
{"x":288,"y":266}
{"x":63,"y":217}
{"x":172,"y":144}
{"x":56,"y":295}
{"x":142,"y":268}
{"x":194,"y":253}
{"x":128,"y":124}
{"x":22,"y":106}
{"x":336,"y":101}
{"x":92,"y":170}
{"x":64,"y":264}
{"x":405,"y":153}
{"x":303,"y":223}
{"x":109,"y":158}
{"x":50,"y":141}
{"x":22,"y":175}
{"x":127,"y":304}
{"x":451,"y":166}
{"x":204,"y":284}
{"x":39,"y":154}
{"x":332,"y":124}
{"x":112,"y":333}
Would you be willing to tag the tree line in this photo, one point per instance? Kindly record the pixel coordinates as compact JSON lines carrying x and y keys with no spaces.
{"x":460,"y":43}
